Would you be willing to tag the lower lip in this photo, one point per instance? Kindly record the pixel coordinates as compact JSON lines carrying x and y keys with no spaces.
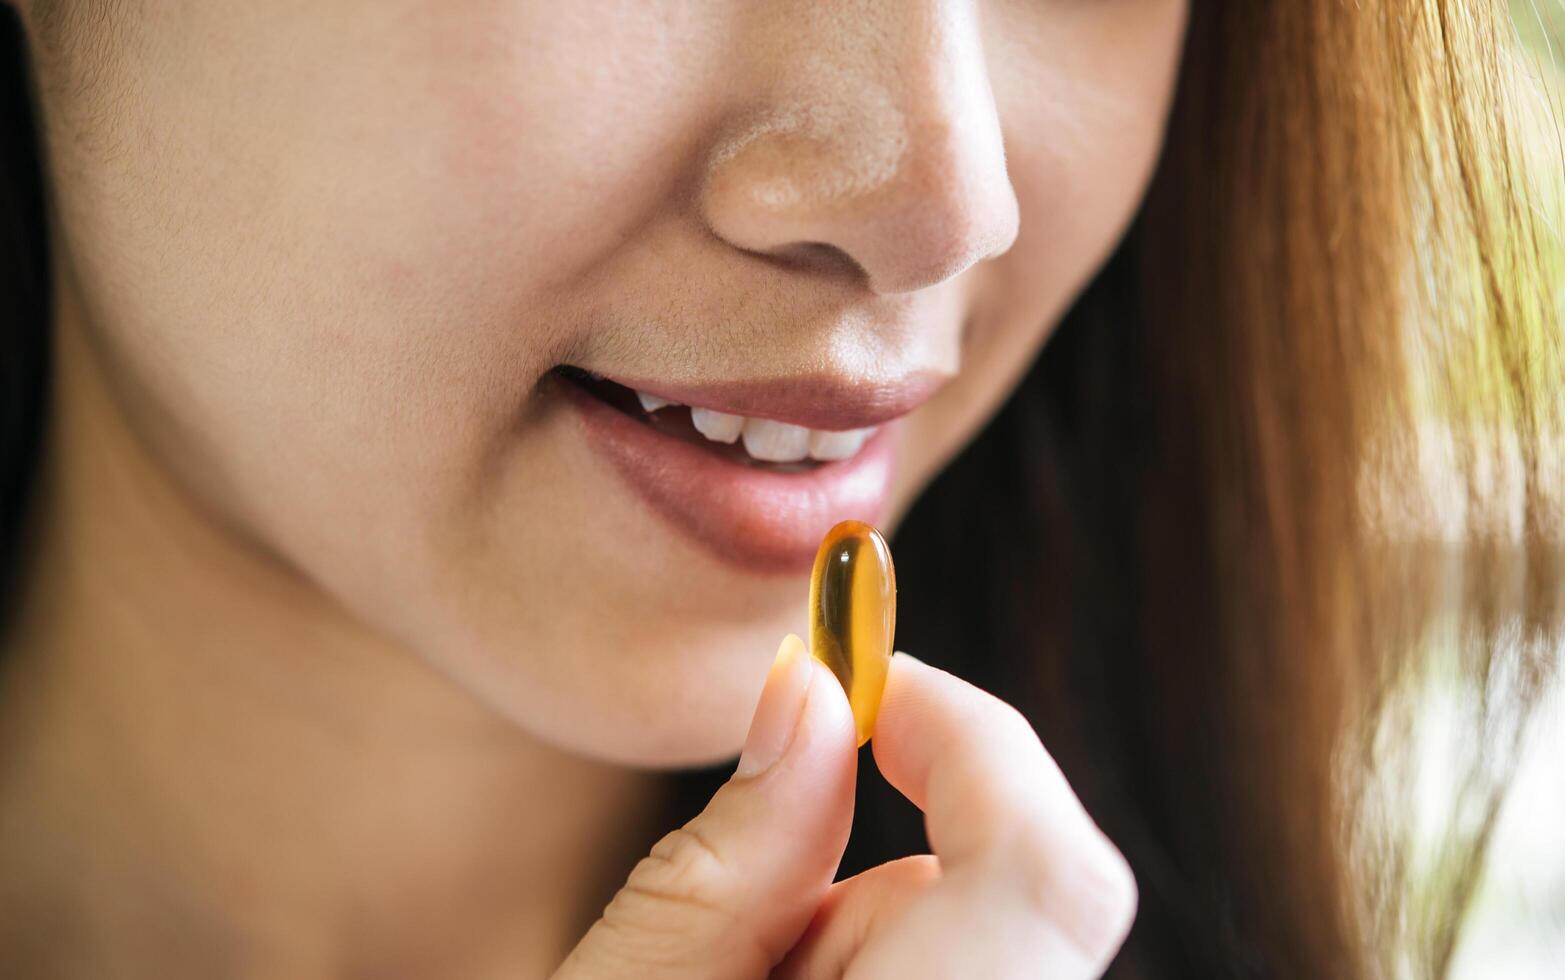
{"x":757,"y":519}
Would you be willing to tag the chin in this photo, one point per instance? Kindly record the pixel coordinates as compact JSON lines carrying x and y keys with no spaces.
{"x":655,"y":702}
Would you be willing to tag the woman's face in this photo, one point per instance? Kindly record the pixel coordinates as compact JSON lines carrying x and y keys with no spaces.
{"x":334,"y":255}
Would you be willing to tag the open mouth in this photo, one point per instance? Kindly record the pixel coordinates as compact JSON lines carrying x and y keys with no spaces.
{"x":755,"y":491}
{"x":768,"y":444}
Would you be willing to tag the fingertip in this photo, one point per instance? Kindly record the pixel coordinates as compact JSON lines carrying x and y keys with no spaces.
{"x":791,"y":646}
{"x":904,"y":667}
{"x":902,"y":703}
{"x":820,"y":745}
{"x":909,"y":682}
{"x":779,"y":710}
{"x":826,"y":707}
{"x":927,"y":711}
{"x":814,"y":780}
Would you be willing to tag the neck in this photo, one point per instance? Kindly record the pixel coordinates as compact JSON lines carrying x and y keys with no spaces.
{"x":203,"y":753}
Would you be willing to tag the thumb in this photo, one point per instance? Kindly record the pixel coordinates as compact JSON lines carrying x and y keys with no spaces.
{"x":730,"y":892}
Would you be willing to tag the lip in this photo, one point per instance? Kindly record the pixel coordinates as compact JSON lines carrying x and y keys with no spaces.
{"x":813,"y":401}
{"x":756,"y":519}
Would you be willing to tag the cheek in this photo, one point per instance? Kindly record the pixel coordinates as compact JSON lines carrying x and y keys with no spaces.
{"x":332,"y":263}
{"x":1085,"y":90}
{"x":1085,"y":93}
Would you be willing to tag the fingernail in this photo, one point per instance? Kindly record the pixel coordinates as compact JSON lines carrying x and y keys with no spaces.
{"x":777,"y":714}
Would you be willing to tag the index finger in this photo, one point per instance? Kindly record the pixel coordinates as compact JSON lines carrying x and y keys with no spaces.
{"x":994,"y":798}
{"x":970,"y":761}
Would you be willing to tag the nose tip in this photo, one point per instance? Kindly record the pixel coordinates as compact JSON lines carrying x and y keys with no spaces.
{"x":907,"y":184}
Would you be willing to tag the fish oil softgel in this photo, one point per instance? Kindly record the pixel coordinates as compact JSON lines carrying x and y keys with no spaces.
{"x":853,"y":615}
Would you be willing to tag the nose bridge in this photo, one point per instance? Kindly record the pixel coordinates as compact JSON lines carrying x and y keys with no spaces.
{"x":874,"y":132}
{"x":815,"y":148}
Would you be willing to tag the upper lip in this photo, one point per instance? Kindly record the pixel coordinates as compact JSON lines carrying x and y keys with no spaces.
{"x":815,"y":401}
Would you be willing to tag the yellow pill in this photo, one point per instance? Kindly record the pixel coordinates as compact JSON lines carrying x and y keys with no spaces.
{"x":853,"y":615}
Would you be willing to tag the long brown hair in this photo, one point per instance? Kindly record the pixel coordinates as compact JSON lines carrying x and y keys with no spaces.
{"x":1200,"y":546}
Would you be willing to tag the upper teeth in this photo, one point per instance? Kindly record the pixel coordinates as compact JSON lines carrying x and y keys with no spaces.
{"x":768,"y":439}
{"x":652,"y":402}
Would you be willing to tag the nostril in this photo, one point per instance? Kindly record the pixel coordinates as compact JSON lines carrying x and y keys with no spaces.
{"x":819,"y":249}
{"x":817,"y":256}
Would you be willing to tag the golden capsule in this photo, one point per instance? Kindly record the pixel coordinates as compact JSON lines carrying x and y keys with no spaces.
{"x":853,"y":615}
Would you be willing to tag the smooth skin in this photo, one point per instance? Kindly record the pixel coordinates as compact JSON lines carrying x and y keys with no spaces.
{"x":340,"y":652}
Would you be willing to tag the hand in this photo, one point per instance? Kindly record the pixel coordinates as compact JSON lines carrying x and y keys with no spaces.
{"x":1021,"y":882}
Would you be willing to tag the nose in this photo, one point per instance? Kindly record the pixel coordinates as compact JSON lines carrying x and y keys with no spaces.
{"x":875,"y":143}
